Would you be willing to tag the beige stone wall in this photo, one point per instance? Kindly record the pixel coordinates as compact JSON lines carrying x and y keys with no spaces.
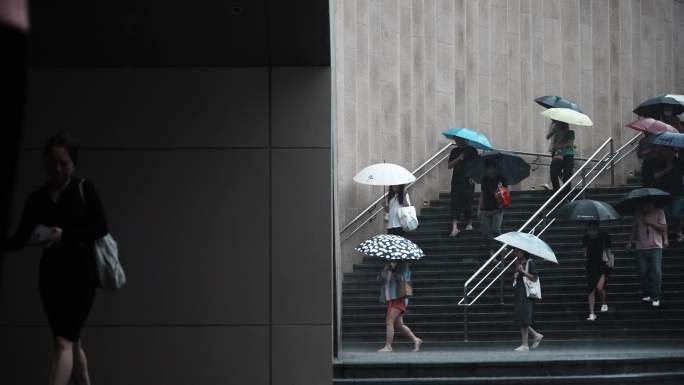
{"x":408,"y":69}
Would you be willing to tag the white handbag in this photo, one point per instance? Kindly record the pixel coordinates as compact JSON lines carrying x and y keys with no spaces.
{"x":109,"y":270}
{"x":407,"y":217}
{"x":532,"y":288}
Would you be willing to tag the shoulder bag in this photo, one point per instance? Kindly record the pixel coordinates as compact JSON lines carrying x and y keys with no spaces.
{"x":110,"y":273}
{"x":532,"y":288}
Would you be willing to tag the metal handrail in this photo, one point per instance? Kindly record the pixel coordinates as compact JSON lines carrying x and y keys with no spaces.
{"x":608,"y":160}
{"x":374,"y":211}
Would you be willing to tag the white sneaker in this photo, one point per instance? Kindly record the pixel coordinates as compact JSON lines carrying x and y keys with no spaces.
{"x":469,"y":228}
{"x":592,"y":317}
{"x":604,"y":308}
{"x":646,"y":299}
{"x":655,"y":303}
{"x":546,"y":186}
{"x":522,"y":348}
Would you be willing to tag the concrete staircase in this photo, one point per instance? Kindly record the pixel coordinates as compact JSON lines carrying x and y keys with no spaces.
{"x":438,"y":286}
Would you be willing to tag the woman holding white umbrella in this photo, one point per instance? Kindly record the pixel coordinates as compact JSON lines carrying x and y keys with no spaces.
{"x":397,"y":197}
{"x":526,"y":283}
{"x":397,"y":177}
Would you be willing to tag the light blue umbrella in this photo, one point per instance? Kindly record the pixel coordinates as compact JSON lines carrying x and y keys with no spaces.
{"x":529,"y":243}
{"x":670,"y":139}
{"x":473,"y":138}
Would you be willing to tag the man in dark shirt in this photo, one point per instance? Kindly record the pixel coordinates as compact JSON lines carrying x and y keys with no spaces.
{"x":669,"y":178}
{"x":489,"y":209}
{"x":462,"y":187}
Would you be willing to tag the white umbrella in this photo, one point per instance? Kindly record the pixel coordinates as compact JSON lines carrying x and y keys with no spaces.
{"x":529,"y":243}
{"x":384,"y":174}
{"x":568,"y":116}
{"x":680,"y":99}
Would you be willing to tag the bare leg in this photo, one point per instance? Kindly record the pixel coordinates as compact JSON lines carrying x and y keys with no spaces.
{"x":524,"y":331}
{"x":454,"y":228}
{"x":600,"y":288}
{"x":399,"y":324}
{"x":63,"y":362}
{"x":80,"y":371}
{"x":535,"y":334}
{"x":592,"y":301}
{"x":389,"y":332}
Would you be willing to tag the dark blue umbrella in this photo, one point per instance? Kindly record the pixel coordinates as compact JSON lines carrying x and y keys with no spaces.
{"x":670,"y":139}
{"x":553,"y":101}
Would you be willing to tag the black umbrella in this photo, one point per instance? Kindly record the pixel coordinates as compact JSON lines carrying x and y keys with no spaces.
{"x":654,"y":107}
{"x":512,"y":168}
{"x":552,"y":101}
{"x":587,"y":210}
{"x":391,"y":247}
{"x":638,"y":196}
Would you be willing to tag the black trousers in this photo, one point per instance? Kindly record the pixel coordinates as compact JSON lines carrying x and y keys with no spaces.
{"x":462,"y":201}
{"x":561,"y":169}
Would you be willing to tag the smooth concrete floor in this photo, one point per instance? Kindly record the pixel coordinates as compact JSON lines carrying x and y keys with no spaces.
{"x":473,"y":352}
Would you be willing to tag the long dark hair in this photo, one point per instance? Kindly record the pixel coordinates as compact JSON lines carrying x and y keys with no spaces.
{"x":398,"y":191}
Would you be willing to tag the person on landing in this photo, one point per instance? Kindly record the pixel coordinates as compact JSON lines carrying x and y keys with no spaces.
{"x":490,"y":210}
{"x":562,"y":149}
{"x":462,"y":187}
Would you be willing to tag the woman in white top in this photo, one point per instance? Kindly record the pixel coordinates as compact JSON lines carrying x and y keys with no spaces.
{"x":396,"y":198}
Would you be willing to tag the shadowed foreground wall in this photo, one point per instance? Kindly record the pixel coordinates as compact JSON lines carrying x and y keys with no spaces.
{"x":408,"y":69}
{"x":217,"y":184}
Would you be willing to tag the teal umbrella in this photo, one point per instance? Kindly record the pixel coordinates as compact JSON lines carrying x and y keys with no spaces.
{"x":587,"y":210}
{"x":472,"y":137}
{"x":529,"y":243}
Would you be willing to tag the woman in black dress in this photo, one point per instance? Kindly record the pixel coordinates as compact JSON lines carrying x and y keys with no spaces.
{"x":595,"y":242}
{"x":71,"y":209}
{"x":462,"y":187}
{"x":524,"y":306}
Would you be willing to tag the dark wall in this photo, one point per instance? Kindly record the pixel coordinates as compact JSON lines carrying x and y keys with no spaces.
{"x":217,"y":184}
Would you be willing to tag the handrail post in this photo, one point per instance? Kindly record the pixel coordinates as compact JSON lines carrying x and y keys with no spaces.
{"x":501,"y":286}
{"x":612,"y":163}
{"x":465,"y":314}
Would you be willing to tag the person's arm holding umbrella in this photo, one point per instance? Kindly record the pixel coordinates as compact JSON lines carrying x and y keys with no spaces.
{"x":453,"y":162}
{"x":531,"y":272}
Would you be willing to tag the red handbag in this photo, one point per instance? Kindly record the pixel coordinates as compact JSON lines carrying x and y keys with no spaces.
{"x":503,"y":197}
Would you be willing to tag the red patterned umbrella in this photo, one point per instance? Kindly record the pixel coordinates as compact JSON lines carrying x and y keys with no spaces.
{"x":651,"y":125}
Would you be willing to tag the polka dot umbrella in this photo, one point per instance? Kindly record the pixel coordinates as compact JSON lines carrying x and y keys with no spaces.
{"x":392,"y":247}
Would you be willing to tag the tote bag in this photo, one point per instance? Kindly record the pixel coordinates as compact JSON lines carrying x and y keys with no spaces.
{"x":110,"y":273}
{"x":532,"y":288}
{"x":407,"y":217}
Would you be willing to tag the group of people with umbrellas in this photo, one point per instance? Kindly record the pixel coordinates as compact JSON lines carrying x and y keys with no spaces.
{"x":495,"y":171}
